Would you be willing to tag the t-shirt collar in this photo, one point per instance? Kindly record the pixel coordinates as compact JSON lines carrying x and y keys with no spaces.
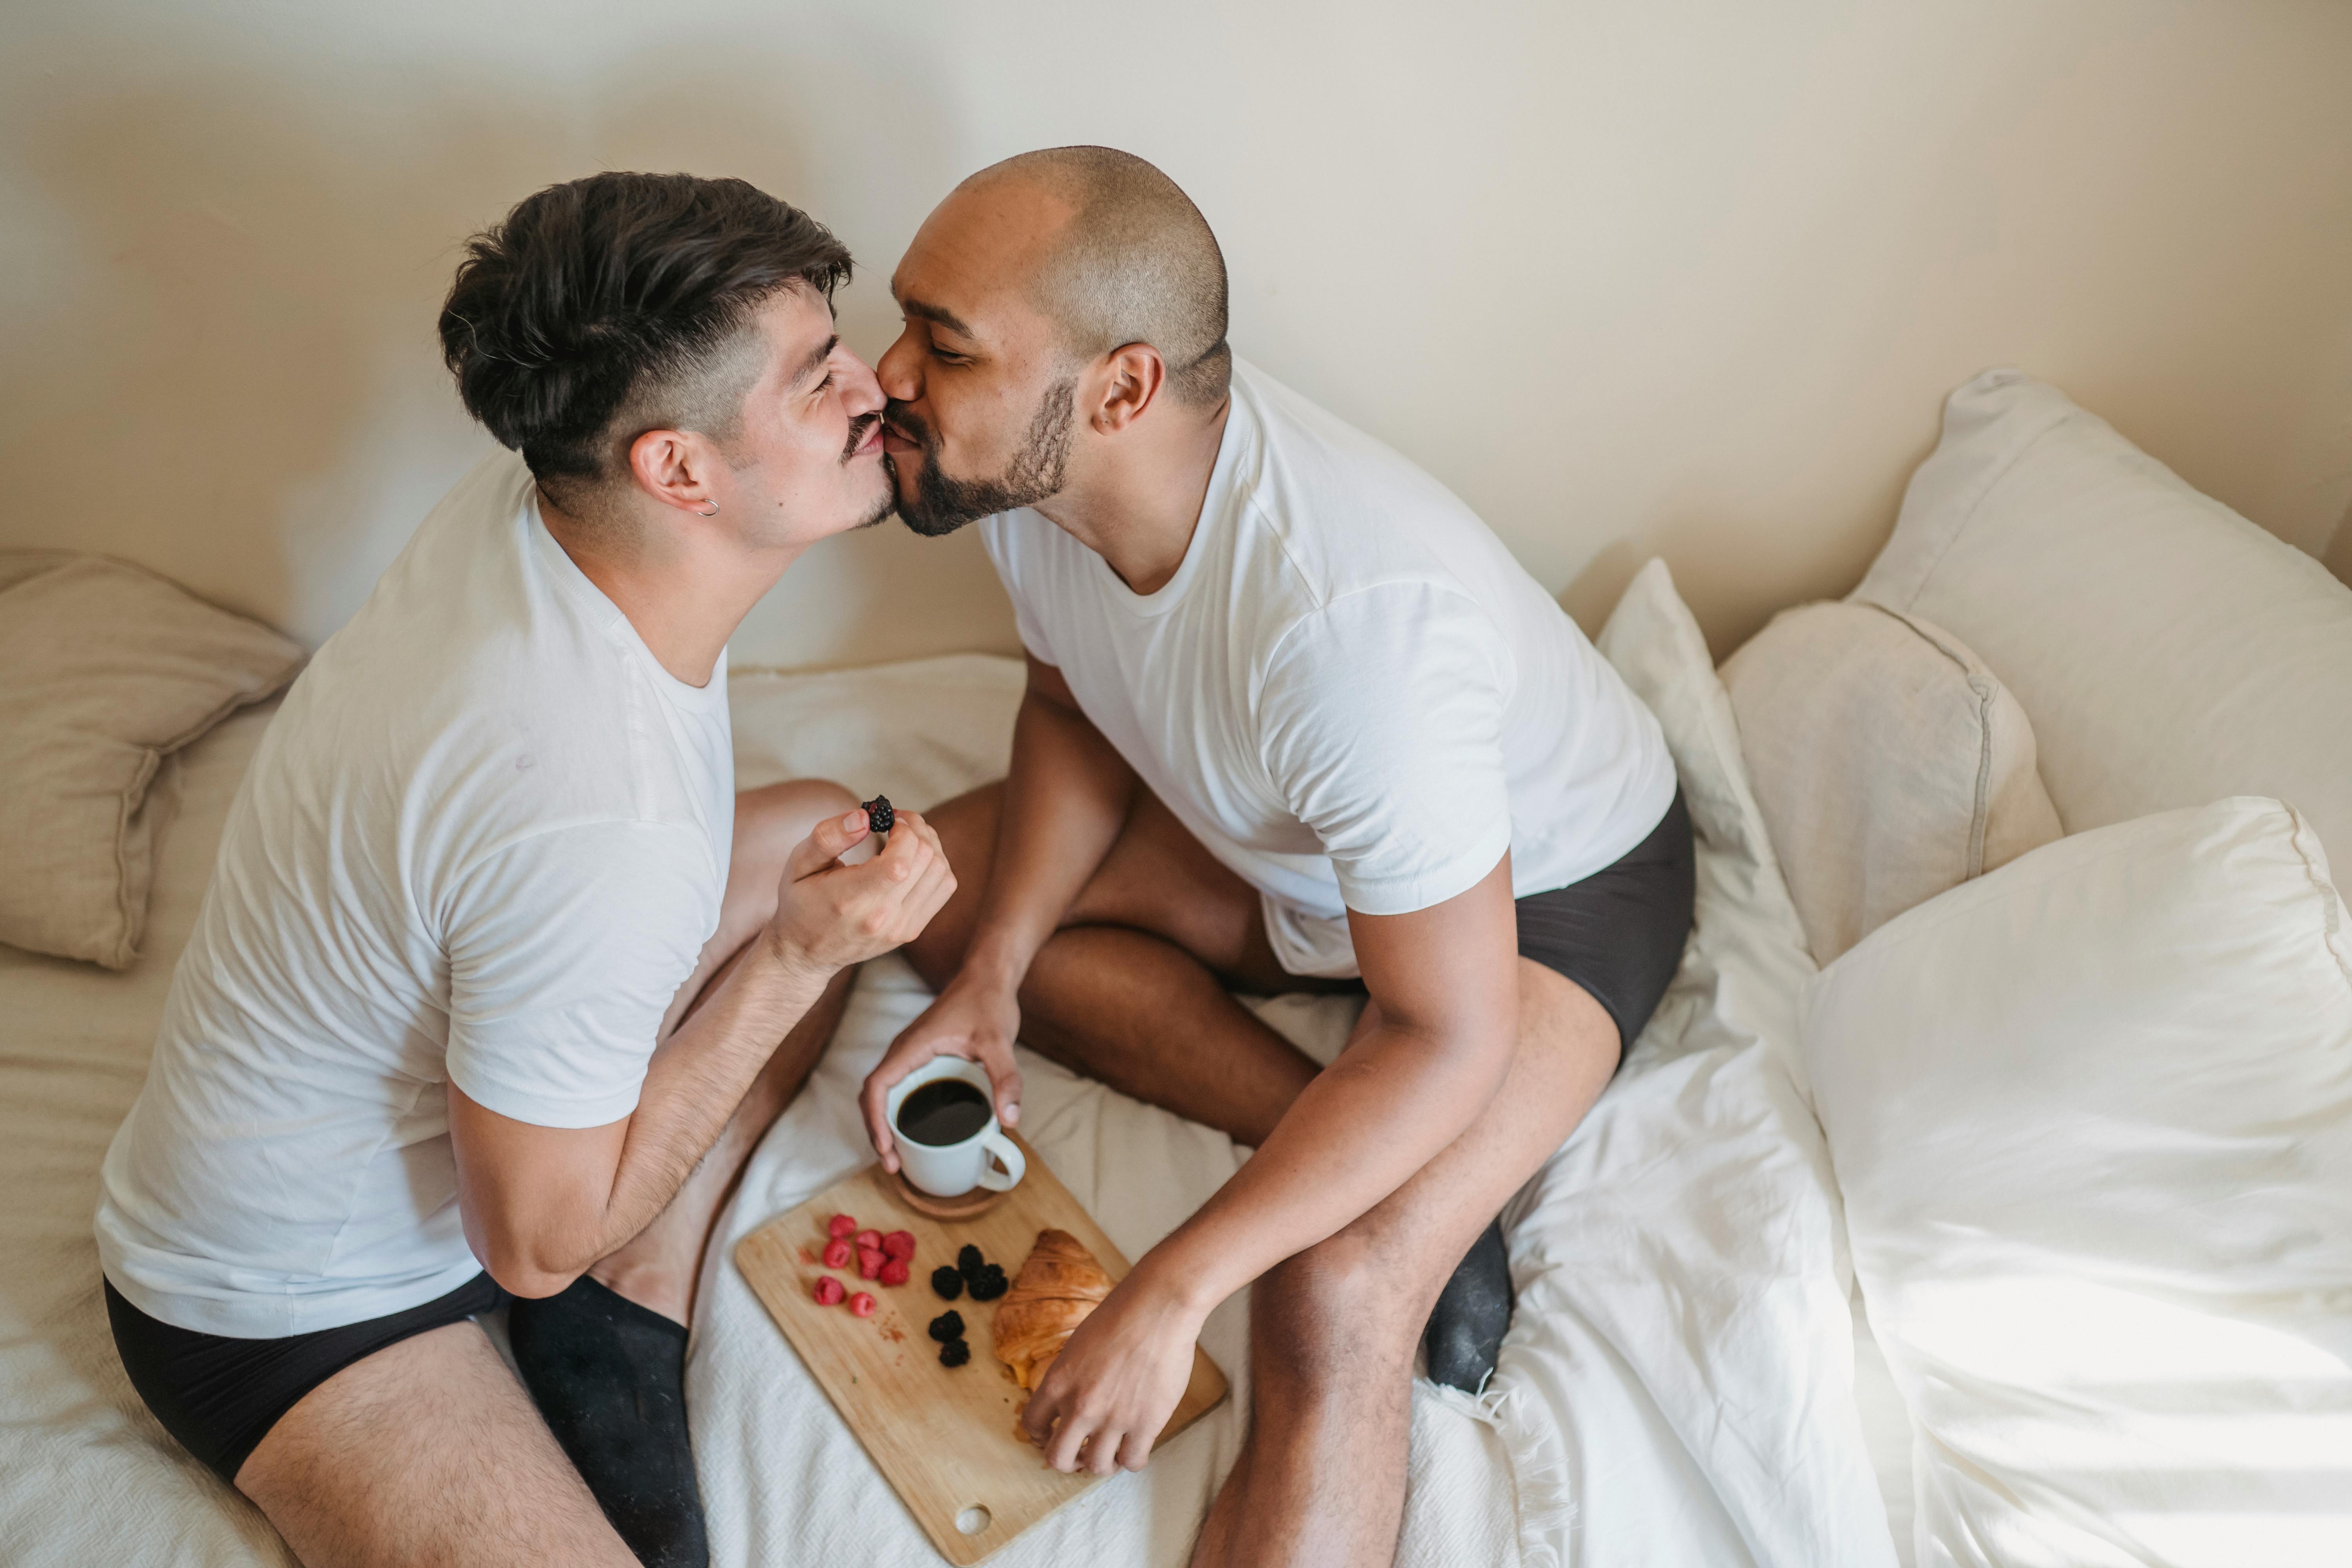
{"x":608,"y":618}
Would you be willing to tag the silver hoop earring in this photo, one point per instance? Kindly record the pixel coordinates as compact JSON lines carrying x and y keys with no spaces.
{"x":712,"y":512}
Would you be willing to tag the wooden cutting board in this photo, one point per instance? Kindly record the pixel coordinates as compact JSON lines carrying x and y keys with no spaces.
{"x":943,"y":1436}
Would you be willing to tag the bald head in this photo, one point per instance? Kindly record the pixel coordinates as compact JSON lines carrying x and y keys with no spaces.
{"x":1134,"y":263}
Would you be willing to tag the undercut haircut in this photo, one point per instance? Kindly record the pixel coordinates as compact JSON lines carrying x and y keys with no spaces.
{"x":606,"y":307}
{"x":1135,"y":264}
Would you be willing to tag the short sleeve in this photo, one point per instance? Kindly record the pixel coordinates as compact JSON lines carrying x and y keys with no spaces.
{"x":1381,"y":717}
{"x":565,"y":950}
{"x":1014,"y":557}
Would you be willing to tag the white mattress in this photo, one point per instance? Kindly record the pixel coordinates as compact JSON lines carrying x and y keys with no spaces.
{"x":1677,"y":1387}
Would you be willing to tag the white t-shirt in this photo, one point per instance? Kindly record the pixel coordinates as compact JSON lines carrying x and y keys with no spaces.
{"x":483,"y":842}
{"x":1351,"y":693}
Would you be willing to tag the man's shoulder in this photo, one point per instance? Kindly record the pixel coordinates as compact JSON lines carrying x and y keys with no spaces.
{"x":1345,"y":512}
{"x":469,"y":663}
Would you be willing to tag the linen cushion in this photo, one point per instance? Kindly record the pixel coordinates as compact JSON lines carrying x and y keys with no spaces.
{"x":1889,"y":761}
{"x":2169,"y":652}
{"x":110,"y":669}
{"x":2092,"y":1115}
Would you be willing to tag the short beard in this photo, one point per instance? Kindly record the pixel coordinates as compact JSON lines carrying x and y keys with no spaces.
{"x":941,"y":505}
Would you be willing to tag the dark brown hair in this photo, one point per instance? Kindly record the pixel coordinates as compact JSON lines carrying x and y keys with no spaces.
{"x":621,"y":294}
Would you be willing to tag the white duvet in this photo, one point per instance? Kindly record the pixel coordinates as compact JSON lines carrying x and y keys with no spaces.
{"x":1676,"y":1388}
{"x":1678,"y":1384}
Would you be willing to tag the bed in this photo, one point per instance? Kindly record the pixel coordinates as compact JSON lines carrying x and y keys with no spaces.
{"x":1690,"y":1376}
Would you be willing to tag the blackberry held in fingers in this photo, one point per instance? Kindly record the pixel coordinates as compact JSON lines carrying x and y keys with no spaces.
{"x":878,"y":813}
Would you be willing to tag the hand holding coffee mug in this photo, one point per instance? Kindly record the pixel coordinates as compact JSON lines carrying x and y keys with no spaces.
{"x":946,"y":1133}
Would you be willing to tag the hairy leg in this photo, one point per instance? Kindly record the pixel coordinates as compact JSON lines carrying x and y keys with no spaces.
{"x":427,"y":1451}
{"x":1132,"y":991}
{"x":658,"y":1266}
{"x":1332,"y":1330}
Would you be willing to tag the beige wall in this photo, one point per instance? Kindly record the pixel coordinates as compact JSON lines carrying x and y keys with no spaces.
{"x":1633,"y":277}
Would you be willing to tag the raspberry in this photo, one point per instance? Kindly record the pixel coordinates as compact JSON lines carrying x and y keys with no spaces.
{"x":828,"y":1291}
{"x":946,"y":1326}
{"x":969,"y":1261}
{"x":947,"y":1282}
{"x":878,"y":813}
{"x":894,"y":1272}
{"x":869,"y":1262}
{"x":840,"y":1224}
{"x":989,"y":1283}
{"x":836,"y":1253}
{"x":862,"y":1304}
{"x":866,"y":1238}
{"x":955,"y":1353}
{"x":899,"y":1244}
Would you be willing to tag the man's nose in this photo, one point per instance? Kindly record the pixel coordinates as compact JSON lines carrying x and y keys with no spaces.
{"x":895,"y":371}
{"x":861,"y":393}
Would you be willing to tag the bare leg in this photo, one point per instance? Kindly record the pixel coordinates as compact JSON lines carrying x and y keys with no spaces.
{"x":659,"y":1265}
{"x":1332,"y":1330}
{"x":1132,"y":990}
{"x":427,"y":1451}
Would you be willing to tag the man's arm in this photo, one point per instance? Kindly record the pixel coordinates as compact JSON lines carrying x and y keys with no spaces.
{"x":541,"y":1203}
{"x":1434,"y":1046}
{"x":1066,"y":796}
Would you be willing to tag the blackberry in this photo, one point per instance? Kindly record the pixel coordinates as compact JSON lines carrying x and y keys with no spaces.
{"x":969,"y":1262}
{"x":946,"y":1326}
{"x":955,"y":1353}
{"x":989,"y":1283}
{"x":947,"y":1282}
{"x":878,"y":813}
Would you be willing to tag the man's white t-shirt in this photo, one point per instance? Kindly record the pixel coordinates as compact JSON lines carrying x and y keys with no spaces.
{"x":483,"y":843}
{"x":1351,"y":693}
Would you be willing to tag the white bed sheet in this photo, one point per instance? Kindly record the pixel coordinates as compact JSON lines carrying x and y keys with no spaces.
{"x":86,"y":1475}
{"x":1671,"y":1390}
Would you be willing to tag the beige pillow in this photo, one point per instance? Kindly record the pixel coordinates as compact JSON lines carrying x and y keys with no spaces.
{"x":1889,"y":763}
{"x":105,"y":671}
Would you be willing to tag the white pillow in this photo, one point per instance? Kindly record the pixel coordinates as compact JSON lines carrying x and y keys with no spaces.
{"x":2091,"y":1114}
{"x":1655,"y":644}
{"x":1889,"y":761}
{"x":2169,"y":652}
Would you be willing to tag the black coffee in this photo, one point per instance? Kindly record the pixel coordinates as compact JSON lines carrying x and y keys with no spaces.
{"x":943,"y":1112}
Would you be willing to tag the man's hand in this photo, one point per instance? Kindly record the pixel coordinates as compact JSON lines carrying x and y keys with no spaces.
{"x":541,"y":1203}
{"x":829,"y":916}
{"x":972,"y":1019}
{"x":1109,"y":1395}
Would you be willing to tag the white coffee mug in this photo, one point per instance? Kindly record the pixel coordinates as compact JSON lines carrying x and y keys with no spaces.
{"x":953,"y":1170}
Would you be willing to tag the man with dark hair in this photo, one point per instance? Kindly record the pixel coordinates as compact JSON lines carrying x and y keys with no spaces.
{"x":1295,"y":720}
{"x":498,"y":980}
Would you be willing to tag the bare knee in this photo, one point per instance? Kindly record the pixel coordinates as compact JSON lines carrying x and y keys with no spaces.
{"x":770,"y":821}
{"x":966,"y":831}
{"x":1339,"y":1317}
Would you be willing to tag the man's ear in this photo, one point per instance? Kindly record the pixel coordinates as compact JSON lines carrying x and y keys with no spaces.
{"x":676,"y":467}
{"x":1133,"y":375}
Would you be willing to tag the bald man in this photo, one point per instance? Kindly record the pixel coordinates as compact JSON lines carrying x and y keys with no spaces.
{"x":1294,"y":720}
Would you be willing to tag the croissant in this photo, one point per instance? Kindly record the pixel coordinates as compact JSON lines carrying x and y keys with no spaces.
{"x":1058,"y":1286}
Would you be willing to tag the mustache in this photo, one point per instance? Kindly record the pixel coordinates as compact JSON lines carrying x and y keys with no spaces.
{"x":859,"y":428}
{"x":901,"y":420}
